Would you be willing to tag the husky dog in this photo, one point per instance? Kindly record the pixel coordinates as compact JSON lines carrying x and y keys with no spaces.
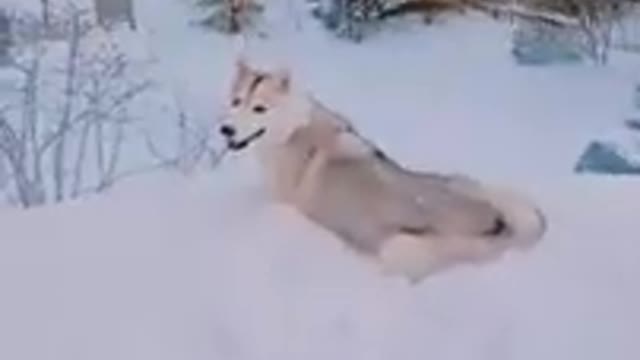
{"x":410,"y":223}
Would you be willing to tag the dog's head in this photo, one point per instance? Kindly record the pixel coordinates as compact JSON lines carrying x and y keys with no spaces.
{"x":259,"y":107}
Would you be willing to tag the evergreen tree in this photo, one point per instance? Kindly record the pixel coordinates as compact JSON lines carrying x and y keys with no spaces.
{"x":351,"y":19}
{"x":6,"y":40}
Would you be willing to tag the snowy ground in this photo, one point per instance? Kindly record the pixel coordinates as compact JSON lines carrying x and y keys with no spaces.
{"x":168,"y":267}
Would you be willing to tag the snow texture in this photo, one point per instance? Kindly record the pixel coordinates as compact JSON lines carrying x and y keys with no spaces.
{"x":168,"y":267}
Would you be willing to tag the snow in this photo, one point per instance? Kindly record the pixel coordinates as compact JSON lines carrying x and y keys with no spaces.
{"x":171,"y":268}
{"x":204,"y":267}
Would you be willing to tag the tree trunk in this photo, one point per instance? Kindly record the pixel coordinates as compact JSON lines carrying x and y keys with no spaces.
{"x":45,"y":14}
{"x":59,"y":154}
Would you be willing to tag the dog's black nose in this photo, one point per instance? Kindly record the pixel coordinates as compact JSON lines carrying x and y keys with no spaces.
{"x":227,"y":130}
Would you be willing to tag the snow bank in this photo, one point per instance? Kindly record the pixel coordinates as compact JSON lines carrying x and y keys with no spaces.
{"x":170,"y":268}
{"x":204,"y":268}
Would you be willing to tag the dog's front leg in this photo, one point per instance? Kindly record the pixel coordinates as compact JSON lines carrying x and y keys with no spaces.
{"x":308,"y":183}
{"x":281,"y":171}
{"x":411,"y":257}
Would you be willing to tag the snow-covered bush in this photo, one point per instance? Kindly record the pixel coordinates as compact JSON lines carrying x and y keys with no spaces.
{"x":606,"y":158}
{"x":539,"y":43}
{"x":350,"y":19}
{"x":590,"y":24}
{"x":615,"y":153}
{"x":110,"y":12}
{"x":230,"y":16}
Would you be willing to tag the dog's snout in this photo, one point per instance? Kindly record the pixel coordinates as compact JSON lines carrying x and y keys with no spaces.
{"x":227,"y":130}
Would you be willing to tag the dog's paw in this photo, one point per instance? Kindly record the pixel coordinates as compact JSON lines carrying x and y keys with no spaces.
{"x":409,"y":257}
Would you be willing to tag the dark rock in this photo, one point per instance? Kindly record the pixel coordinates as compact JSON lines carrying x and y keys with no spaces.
{"x":602,"y":158}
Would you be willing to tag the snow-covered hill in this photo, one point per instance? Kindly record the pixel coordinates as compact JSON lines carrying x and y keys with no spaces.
{"x":168,"y":267}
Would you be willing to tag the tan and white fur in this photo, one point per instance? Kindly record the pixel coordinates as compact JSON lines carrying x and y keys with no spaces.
{"x":410,"y":223}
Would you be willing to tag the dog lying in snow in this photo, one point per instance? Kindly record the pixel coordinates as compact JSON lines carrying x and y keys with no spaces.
{"x":410,"y":223}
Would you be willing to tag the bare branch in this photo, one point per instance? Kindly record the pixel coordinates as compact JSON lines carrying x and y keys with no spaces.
{"x":80,"y":159}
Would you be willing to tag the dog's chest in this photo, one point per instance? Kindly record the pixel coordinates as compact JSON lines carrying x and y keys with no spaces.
{"x":347,"y":201}
{"x":283,"y":167}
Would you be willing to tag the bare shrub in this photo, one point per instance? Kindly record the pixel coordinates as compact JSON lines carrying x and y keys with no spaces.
{"x":62,"y":130}
{"x":595,"y":20}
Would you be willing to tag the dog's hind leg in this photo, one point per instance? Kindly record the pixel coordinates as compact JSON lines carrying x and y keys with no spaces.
{"x":416,"y":257}
{"x":408,"y":256}
{"x":526,"y":222}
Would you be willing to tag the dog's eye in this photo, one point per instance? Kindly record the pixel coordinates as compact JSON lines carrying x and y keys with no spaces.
{"x":259,"y":109}
{"x":236,"y":102}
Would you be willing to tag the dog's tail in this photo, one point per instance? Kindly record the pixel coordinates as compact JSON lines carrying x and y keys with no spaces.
{"x":525,"y":223}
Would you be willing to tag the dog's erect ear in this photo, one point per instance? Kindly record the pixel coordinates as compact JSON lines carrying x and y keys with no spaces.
{"x":283,"y":79}
{"x":242,"y":67}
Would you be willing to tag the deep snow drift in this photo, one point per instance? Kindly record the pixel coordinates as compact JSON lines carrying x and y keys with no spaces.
{"x":167,"y":267}
{"x":170,"y":268}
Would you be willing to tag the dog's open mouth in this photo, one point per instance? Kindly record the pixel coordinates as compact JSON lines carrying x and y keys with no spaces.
{"x":236,"y":145}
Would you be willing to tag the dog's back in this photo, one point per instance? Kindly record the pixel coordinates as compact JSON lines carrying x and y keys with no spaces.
{"x":366,"y":198}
